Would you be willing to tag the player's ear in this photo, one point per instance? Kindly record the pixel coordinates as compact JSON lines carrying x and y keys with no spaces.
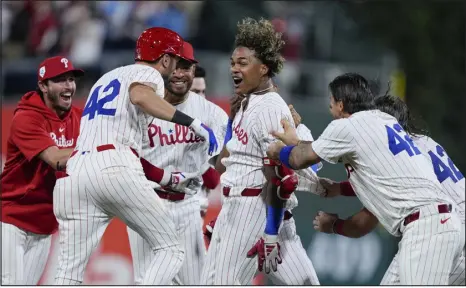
{"x":165,"y":60}
{"x":264,"y":70}
{"x":42,"y":86}
{"x":340,"y":106}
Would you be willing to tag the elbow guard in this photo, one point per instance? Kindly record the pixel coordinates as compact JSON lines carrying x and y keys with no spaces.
{"x":283,"y":178}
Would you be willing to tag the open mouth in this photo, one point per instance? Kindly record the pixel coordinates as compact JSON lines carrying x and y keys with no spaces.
{"x":237,"y":81}
{"x":66,"y":97}
{"x":179,"y":84}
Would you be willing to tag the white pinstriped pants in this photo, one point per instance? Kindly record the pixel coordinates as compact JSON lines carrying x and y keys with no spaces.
{"x":430,"y":253}
{"x":187,"y":217}
{"x":112,"y":184}
{"x":24,"y":255}
{"x":240,"y":224}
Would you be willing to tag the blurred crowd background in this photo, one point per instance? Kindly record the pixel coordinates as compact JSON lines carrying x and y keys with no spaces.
{"x":416,"y":46}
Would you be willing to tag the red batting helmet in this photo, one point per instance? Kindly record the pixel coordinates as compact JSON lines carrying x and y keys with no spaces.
{"x":188,"y":52}
{"x":156,"y":41}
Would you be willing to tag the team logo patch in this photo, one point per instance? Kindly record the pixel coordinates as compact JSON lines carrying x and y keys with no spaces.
{"x":65,"y":62}
{"x":42,"y":71}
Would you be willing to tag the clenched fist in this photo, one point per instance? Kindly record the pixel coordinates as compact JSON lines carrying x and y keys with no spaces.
{"x":323,"y":222}
{"x":332,"y":188}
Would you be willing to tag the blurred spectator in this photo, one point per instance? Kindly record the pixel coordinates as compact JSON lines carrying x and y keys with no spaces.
{"x":218,"y":20}
{"x":117,"y":14}
{"x":85,"y":32}
{"x":43,"y":32}
{"x":7,"y":17}
{"x":162,"y":14}
{"x":199,"y":84}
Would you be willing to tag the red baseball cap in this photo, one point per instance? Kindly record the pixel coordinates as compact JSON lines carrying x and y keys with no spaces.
{"x":188,"y":53}
{"x":54,"y":66}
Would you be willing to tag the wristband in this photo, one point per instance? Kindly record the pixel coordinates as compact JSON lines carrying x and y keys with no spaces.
{"x":346,"y":189}
{"x":182,"y":119}
{"x":285,"y":156}
{"x":211,"y":178}
{"x":274,"y":219}
{"x":229,"y":132}
{"x":337,"y":227}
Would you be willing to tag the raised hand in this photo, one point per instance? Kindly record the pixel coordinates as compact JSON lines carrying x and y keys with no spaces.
{"x":205,"y":132}
{"x":295,"y":115}
{"x":288,"y":136}
{"x":184,"y":182}
{"x":323,"y":222}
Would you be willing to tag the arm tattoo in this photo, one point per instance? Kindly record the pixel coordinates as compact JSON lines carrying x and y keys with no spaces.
{"x":304,"y":142}
{"x":300,"y":155}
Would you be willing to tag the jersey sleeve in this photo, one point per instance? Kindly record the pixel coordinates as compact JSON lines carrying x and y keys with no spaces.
{"x":304,"y":133}
{"x":308,"y":181}
{"x":335,"y":142}
{"x":269,"y":120}
{"x":29,"y":134}
{"x":219,"y":125}
{"x":150,"y":77}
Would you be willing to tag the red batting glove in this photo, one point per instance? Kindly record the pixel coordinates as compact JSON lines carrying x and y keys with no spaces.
{"x":267,"y":250}
{"x":286,"y":180}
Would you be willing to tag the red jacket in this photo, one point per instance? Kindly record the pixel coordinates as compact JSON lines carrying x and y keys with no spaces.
{"x":27,"y":182}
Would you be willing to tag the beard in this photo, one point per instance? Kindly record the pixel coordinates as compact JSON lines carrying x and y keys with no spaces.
{"x":176,"y":93}
{"x":54,"y":98}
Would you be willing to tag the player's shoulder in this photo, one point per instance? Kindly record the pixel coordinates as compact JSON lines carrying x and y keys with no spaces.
{"x":424,"y":141}
{"x":76,"y":111}
{"x":371,"y":118}
{"x":27,"y":115}
{"x":273,"y":102}
{"x":274,"y":99}
{"x":196,"y":100}
{"x":194,"y":97}
{"x":136,"y":71}
{"x":342,"y":122}
{"x":369,"y":114}
{"x":207,"y":106}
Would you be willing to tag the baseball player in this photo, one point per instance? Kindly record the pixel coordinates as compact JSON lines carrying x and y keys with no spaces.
{"x":106,"y":178}
{"x":199,"y":85}
{"x":43,"y":133}
{"x":390,"y":177}
{"x":241,"y":222}
{"x":363,"y":222}
{"x":174,"y":148}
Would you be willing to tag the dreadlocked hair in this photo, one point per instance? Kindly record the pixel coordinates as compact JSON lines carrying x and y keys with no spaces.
{"x":393,"y":105}
{"x":261,"y":37}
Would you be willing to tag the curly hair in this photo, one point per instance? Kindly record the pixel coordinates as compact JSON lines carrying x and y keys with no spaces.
{"x":261,"y":37}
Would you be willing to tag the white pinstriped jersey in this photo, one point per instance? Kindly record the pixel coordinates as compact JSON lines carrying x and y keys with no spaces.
{"x":451,"y":179}
{"x":109,"y":117}
{"x":305,"y":134}
{"x":250,"y":140}
{"x":307,"y":177}
{"x":176,"y":148}
{"x":387,"y":171}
